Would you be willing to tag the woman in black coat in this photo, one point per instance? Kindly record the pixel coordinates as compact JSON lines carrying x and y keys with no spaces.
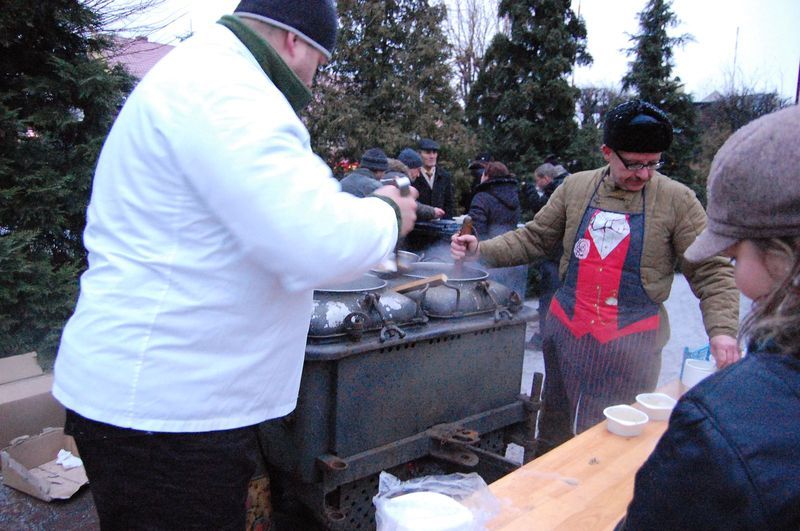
{"x":494,"y":210}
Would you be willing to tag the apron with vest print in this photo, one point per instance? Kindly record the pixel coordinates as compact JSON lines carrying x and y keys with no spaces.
{"x":602,"y":327}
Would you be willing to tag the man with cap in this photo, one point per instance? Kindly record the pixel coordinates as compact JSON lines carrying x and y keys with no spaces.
{"x":409,"y":163}
{"x":211,"y":221}
{"x":436,"y":186}
{"x":412,"y":160}
{"x":365,"y":179}
{"x":623,"y":227}
{"x":477,"y":166}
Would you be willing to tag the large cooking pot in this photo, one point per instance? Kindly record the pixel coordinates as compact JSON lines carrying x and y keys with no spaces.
{"x":351,"y":309}
{"x":393,"y":267}
{"x":468,"y":291}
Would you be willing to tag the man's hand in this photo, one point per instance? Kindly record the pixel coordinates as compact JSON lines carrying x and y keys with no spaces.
{"x":438,"y":213}
{"x":464,"y":247}
{"x":407,"y":205}
{"x":725,"y":350}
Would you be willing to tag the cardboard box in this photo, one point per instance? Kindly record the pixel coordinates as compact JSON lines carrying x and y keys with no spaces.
{"x":29,"y":465}
{"x":26,"y":405}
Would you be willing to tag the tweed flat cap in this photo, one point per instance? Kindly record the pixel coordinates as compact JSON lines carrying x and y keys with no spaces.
{"x":753,"y":185}
{"x":410,"y":158}
{"x":428,"y":145}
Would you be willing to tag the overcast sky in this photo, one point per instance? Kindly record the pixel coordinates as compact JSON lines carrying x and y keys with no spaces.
{"x":767,"y":56}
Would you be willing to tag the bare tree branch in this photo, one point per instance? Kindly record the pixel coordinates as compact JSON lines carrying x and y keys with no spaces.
{"x":127,"y":16}
{"x":471,"y":24}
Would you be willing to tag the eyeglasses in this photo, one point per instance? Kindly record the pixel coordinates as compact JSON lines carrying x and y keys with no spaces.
{"x":636,"y":166}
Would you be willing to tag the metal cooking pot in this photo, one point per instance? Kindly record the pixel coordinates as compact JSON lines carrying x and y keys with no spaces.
{"x":350,"y":309}
{"x":392,"y":267}
{"x":426,"y":269}
{"x":468,"y":291}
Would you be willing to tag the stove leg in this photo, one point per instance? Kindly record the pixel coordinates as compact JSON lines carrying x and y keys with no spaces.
{"x":533,"y":404}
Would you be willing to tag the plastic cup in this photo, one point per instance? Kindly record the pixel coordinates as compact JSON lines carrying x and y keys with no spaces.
{"x":695,"y":371}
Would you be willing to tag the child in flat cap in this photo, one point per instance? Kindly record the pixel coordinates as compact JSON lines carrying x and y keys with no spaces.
{"x":729,"y":459}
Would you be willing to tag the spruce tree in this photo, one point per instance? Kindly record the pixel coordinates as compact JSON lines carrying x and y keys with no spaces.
{"x":388,"y":83}
{"x":593,"y":104}
{"x":57,"y":102}
{"x":522,"y":103}
{"x":650,"y":77}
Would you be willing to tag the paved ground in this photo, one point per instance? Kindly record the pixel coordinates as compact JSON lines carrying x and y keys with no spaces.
{"x":20,"y":511}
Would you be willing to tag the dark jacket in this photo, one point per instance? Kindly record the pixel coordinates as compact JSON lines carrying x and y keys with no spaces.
{"x":535,"y":200}
{"x":442,"y":195}
{"x":495,"y":207}
{"x":361,"y":182}
{"x":729,"y":459}
{"x":494,"y":210}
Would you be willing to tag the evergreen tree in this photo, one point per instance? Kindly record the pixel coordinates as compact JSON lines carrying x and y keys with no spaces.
{"x":57,"y":102}
{"x":650,"y":76}
{"x":388,"y":83}
{"x":522,"y":102}
{"x":593,"y":104}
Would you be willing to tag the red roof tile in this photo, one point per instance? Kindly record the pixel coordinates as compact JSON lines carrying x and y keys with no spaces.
{"x":138,"y":55}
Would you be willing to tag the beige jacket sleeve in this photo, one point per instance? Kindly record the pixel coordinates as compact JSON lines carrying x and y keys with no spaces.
{"x":535,"y":240}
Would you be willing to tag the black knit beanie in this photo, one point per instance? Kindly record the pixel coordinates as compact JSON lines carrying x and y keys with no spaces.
{"x":637,"y":127}
{"x":374,"y":159}
{"x":313,"y":20}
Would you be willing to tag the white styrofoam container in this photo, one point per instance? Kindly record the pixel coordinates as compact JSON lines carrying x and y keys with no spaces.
{"x":658,"y":406}
{"x":625,"y":420}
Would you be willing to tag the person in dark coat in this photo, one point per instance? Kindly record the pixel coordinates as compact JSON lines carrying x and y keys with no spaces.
{"x":397,"y":168}
{"x":435,"y":185}
{"x":475,"y":168}
{"x":729,"y":458}
{"x":494,"y":210}
{"x":365,"y":179}
{"x":547,"y":177}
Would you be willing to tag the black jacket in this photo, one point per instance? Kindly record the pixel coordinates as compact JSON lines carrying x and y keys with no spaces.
{"x":495,"y":207}
{"x":442,"y":195}
{"x":730,"y":458}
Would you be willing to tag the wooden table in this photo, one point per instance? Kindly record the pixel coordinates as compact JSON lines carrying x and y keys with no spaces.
{"x":586,"y":483}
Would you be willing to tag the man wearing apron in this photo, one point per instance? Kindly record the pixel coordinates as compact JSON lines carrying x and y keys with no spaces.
{"x":623,"y":227}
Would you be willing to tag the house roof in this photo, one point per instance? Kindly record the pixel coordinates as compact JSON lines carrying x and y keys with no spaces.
{"x":137,"y":55}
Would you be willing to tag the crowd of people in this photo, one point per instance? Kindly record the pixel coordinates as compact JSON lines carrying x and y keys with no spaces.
{"x":211,"y":221}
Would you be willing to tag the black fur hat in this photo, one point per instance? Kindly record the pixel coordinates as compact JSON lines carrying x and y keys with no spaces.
{"x":637,"y":127}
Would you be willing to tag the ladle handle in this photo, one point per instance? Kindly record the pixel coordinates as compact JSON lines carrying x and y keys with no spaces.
{"x":466,"y":228}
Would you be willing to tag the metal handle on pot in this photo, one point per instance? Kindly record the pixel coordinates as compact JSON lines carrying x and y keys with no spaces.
{"x":354,"y":325}
{"x":389,"y":328}
{"x":500,"y":311}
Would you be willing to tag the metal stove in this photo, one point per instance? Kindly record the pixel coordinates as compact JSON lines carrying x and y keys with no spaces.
{"x":388,"y":386}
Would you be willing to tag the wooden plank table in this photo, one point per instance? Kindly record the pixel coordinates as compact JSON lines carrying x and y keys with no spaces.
{"x":586,"y":483}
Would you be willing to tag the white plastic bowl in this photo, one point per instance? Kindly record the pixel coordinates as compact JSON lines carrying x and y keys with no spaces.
{"x":625,"y":420}
{"x":658,"y":406}
{"x":694,"y":371}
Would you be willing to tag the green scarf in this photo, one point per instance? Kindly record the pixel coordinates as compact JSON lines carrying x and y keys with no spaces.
{"x":273,"y":65}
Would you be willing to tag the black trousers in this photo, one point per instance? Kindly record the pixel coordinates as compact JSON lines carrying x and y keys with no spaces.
{"x":146,"y":480}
